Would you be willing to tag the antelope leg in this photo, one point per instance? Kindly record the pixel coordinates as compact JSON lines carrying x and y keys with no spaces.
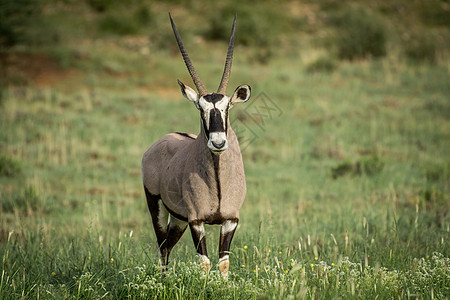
{"x":226,"y":235}
{"x":198,"y":236}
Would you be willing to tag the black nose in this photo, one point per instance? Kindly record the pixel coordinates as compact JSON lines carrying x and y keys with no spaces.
{"x":218,"y":146}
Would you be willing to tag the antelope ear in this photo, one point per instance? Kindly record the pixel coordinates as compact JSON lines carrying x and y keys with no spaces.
{"x":241,"y":94}
{"x":188,"y":92}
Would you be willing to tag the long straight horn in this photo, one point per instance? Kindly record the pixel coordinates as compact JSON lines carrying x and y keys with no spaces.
{"x":227,"y":70}
{"x":198,"y":83}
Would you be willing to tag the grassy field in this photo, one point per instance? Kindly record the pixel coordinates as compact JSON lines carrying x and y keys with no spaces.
{"x":347,"y":158}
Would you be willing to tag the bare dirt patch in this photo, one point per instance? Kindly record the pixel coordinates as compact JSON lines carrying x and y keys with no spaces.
{"x":36,"y":69}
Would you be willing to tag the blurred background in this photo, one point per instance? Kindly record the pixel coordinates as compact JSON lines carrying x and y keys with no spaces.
{"x":44,"y":40}
{"x":347,"y":132}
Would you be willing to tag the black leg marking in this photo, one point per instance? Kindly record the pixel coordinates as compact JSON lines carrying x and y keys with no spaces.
{"x":226,"y":235}
{"x":174,"y":233}
{"x":198,"y":236}
{"x":159,"y":218}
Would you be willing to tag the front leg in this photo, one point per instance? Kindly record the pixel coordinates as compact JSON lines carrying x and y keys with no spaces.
{"x":226,"y":235}
{"x":199,"y":238}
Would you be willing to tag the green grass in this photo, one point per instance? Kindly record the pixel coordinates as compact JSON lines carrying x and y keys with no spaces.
{"x":347,"y":174}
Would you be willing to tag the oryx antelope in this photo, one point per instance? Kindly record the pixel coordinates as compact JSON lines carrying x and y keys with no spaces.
{"x":200,"y":179}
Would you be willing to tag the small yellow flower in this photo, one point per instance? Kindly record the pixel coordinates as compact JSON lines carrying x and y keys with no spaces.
{"x":245,"y":247}
{"x":270,"y":250}
{"x":286,"y":271}
{"x":53,"y":273}
{"x":112,"y":260}
{"x":316,"y":258}
{"x":312,"y":266}
{"x":281,"y":252}
{"x":243,"y":266}
{"x":332,"y":264}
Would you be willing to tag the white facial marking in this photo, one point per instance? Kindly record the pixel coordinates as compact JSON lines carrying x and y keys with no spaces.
{"x":206,"y":107}
{"x":228,"y":226}
{"x":217,"y":138}
{"x":221,"y":105}
{"x":217,"y":141}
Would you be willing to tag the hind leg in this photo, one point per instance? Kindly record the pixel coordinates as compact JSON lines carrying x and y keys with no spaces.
{"x":174,"y":233}
{"x":160,"y":218}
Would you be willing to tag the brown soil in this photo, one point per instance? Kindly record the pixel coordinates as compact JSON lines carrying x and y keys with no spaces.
{"x":37,"y":69}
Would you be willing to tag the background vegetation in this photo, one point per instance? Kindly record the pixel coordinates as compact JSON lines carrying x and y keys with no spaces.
{"x":346,"y":145}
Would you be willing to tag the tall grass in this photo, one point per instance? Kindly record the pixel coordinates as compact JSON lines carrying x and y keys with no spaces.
{"x":308,"y":228}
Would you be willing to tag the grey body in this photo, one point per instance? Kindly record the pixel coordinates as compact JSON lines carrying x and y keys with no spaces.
{"x":182,"y":171}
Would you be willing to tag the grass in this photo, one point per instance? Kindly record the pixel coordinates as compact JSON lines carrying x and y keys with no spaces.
{"x":348,"y":172}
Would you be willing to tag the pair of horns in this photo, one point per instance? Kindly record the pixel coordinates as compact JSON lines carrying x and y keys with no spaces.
{"x":226,"y":72}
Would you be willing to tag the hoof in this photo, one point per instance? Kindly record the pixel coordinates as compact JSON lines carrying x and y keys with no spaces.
{"x":205,"y":264}
{"x":223,"y":267}
{"x":162,"y":269}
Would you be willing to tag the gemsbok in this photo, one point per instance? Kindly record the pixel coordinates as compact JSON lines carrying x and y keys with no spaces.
{"x":198,"y":180}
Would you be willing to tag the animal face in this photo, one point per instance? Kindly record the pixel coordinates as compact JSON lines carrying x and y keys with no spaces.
{"x":214,"y":113}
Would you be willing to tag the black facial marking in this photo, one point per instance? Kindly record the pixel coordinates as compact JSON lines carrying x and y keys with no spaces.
{"x":213,"y":98}
{"x":215,"y":121}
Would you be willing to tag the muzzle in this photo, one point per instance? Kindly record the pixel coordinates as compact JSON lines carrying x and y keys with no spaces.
{"x":217,"y":142}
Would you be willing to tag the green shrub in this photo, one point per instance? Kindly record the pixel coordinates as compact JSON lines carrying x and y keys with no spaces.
{"x":102,"y":5}
{"x":122,"y":22}
{"x":9,"y":167}
{"x":342,"y":169}
{"x":369,"y":165}
{"x":257,"y":27}
{"x":435,"y":12}
{"x":420,"y":47}
{"x":119,"y":24}
{"x":365,"y":165}
{"x":322,"y":64}
{"x":17,"y":18}
{"x":23,"y":202}
{"x":359,"y":34}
